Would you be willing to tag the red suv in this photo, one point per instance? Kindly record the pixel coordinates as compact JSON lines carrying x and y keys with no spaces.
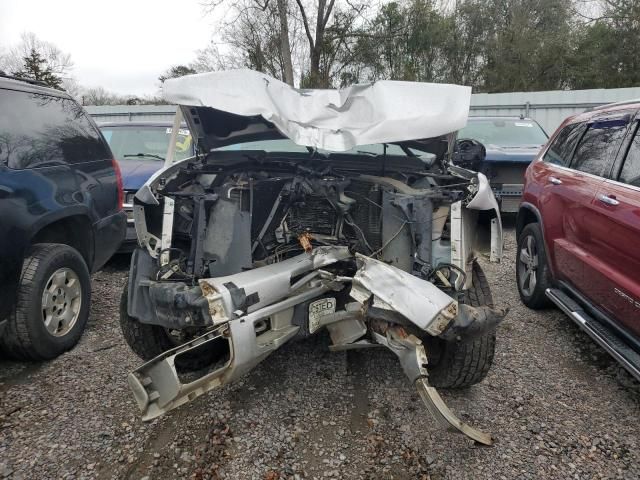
{"x":578,"y":228}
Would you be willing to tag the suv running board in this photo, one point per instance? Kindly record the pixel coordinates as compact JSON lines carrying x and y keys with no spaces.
{"x":599,"y":332}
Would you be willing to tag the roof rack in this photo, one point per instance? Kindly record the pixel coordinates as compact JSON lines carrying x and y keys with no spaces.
{"x":21,"y":79}
{"x":614,"y":104}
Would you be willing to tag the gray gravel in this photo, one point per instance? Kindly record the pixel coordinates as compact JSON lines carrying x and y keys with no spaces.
{"x":558,"y":406}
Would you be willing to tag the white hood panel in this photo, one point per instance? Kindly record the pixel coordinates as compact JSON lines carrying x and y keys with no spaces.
{"x":336,"y":120}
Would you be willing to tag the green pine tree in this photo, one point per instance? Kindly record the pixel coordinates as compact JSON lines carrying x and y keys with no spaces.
{"x":35,"y":67}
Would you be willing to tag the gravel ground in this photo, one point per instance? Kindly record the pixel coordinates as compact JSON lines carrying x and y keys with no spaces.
{"x":558,"y":406}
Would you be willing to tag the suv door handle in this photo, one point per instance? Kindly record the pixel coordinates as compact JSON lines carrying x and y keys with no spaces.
{"x":609,"y":200}
{"x":555,"y":181}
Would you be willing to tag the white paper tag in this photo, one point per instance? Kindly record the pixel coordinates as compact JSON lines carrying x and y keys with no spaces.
{"x":318,"y":309}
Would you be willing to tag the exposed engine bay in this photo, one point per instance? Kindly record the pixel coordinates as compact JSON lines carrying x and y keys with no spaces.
{"x":312,"y":210}
{"x":264,"y":248}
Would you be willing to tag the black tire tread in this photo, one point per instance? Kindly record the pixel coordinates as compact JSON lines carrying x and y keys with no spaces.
{"x":465,"y":363}
{"x":146,"y":341}
{"x":17,"y":341}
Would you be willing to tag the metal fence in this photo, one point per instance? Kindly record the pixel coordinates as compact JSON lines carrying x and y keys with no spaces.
{"x":548,"y":108}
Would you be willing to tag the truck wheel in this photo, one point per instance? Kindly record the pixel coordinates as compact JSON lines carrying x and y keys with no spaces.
{"x":52,"y":305}
{"x":532,"y":270}
{"x":463,"y":363}
{"x":148,"y":341}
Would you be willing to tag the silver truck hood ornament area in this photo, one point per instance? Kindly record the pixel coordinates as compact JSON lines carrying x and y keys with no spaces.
{"x":243,"y":250}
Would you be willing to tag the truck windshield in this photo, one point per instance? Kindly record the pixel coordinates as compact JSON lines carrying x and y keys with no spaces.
{"x":135,"y":142}
{"x":504,"y":132}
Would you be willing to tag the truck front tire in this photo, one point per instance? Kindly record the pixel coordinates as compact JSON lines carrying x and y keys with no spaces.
{"x":148,"y":341}
{"x":462,"y":363}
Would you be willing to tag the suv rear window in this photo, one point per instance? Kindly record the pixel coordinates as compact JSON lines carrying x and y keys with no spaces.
{"x":146,"y":142}
{"x":561,"y":148}
{"x":39,"y":130}
{"x":599,"y":145}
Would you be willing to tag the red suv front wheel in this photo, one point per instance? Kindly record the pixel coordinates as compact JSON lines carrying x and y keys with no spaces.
{"x":532,"y":269}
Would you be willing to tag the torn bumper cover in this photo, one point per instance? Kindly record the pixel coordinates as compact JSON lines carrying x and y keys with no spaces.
{"x":245,"y":332}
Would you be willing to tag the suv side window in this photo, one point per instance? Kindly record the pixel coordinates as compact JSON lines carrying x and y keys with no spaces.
{"x":599,"y":145}
{"x":630,"y":173}
{"x":560,"y":150}
{"x":39,"y":130}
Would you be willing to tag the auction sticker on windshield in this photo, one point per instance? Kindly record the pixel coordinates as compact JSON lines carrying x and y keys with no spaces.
{"x":318,"y":309}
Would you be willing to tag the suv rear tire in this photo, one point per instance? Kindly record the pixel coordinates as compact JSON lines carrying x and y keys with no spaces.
{"x":52,"y":306}
{"x":463,"y":363}
{"x":532,"y":266}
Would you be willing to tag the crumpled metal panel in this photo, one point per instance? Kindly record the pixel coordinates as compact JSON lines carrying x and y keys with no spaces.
{"x":419,"y":301}
{"x":337,"y":120}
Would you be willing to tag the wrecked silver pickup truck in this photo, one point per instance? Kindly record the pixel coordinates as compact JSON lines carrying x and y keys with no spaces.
{"x":310,"y":210}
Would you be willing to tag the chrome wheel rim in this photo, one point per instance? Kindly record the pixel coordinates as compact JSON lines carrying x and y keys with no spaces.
{"x":528,"y":266}
{"x":61,"y":302}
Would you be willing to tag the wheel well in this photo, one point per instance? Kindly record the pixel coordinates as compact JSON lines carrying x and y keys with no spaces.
{"x":74,"y":231}
{"x":525,"y":217}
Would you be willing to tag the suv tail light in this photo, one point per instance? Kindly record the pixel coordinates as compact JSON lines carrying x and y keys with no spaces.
{"x":116,"y":167}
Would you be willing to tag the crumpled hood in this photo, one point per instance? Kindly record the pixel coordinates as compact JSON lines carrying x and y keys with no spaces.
{"x":243,"y":105}
{"x":136,"y":172}
{"x":497,"y":153}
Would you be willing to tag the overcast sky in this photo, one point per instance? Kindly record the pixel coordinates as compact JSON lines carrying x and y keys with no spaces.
{"x":122,"y":45}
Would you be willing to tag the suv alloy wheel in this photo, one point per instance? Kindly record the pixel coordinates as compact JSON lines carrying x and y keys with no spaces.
{"x":52,"y":305}
{"x":532,"y":270}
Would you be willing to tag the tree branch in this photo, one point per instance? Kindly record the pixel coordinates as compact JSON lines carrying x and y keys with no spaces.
{"x":305,"y":22}
{"x":328,"y":14}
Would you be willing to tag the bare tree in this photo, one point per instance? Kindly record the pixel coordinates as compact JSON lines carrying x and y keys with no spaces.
{"x":316,"y":36}
{"x":284,"y":38}
{"x":58,"y":62}
{"x":210,"y":59}
{"x":285,"y":45}
{"x":100,"y":96}
{"x":72,"y":87}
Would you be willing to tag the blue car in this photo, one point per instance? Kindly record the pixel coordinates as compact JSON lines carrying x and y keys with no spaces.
{"x":140,"y":149}
{"x":511,"y":144}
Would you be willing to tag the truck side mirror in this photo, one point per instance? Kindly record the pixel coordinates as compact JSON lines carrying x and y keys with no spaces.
{"x":468,"y":153}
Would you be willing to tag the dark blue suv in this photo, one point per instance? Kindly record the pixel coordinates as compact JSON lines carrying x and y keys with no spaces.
{"x":60,"y":217}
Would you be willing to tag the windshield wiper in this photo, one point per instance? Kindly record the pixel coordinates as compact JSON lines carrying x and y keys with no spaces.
{"x":141,"y":155}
